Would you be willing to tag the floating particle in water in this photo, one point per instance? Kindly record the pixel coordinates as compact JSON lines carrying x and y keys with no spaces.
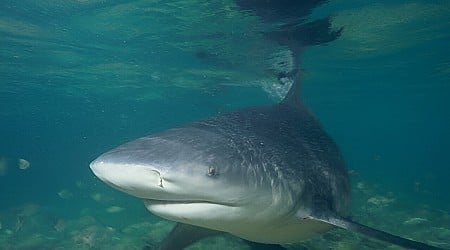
{"x":110,"y":229}
{"x":361,"y":185}
{"x":23,"y":164}
{"x":0,"y":225}
{"x":100,"y":197}
{"x":96,"y":196}
{"x":380,"y":201}
{"x":3,"y":166}
{"x":114,"y":209}
{"x":65,"y":194}
{"x":353,"y":172}
{"x":415,"y":221}
{"x":80,"y":185}
{"x":60,"y":225}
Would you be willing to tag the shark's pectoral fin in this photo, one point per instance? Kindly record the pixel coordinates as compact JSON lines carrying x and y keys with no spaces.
{"x":372,"y":232}
{"x":261,"y":246}
{"x":183,"y":235}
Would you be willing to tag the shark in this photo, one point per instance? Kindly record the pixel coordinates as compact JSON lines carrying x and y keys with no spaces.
{"x":269,"y":174}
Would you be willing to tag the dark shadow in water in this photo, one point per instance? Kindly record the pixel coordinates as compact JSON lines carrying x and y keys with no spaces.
{"x":289,"y":18}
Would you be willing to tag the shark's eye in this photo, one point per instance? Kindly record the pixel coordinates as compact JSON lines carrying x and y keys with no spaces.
{"x":212,"y":171}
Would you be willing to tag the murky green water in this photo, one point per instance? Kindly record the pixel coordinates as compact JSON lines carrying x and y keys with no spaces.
{"x":80,"y":77}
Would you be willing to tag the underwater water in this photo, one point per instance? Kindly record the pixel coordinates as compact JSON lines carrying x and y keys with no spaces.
{"x":80,"y":77}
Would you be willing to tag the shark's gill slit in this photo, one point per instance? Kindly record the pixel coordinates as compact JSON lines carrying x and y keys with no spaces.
{"x":160,"y":184}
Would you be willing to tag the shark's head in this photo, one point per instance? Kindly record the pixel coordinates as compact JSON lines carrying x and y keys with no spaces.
{"x":197,"y":177}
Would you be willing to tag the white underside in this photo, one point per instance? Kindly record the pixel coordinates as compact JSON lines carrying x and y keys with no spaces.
{"x":232,"y":220}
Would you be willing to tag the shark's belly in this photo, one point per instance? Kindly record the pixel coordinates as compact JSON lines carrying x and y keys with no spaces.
{"x":291,"y":232}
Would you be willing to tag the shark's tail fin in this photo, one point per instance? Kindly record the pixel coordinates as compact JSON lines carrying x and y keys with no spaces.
{"x":374,"y":233}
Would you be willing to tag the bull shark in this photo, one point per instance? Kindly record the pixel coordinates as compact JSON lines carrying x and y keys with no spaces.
{"x":269,"y":175}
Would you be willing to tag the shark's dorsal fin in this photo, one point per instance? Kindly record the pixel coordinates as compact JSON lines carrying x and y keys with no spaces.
{"x":293,"y":95}
{"x":350,"y":225}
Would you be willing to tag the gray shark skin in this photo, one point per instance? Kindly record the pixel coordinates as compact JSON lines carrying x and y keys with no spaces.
{"x":269,"y":175}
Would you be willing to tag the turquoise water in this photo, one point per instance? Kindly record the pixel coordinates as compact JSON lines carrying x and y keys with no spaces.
{"x":80,"y":77}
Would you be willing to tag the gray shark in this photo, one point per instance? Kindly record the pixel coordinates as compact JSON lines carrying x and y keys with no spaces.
{"x":269,"y":175}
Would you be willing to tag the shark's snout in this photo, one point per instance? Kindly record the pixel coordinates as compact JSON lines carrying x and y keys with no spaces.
{"x":136,"y":180}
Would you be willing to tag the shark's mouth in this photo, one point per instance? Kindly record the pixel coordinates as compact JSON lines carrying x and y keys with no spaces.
{"x":151,"y":202}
